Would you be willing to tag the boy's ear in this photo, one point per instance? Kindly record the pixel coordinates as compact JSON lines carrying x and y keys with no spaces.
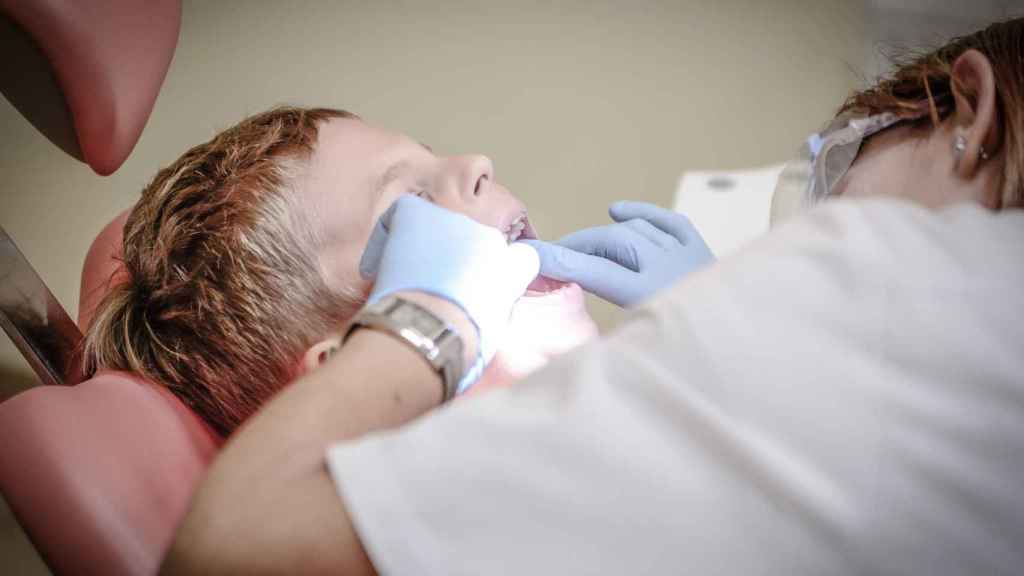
{"x":318,"y":353}
{"x":973,"y":85}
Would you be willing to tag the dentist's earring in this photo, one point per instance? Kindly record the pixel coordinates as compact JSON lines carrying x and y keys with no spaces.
{"x":960,"y":146}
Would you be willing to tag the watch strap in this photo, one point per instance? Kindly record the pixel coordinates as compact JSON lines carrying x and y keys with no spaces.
{"x":438,"y":342}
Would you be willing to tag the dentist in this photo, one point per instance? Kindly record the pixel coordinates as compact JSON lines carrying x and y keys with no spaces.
{"x":843,"y":396}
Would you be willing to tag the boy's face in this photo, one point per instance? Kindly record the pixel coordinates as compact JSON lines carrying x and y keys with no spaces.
{"x":358,"y":170}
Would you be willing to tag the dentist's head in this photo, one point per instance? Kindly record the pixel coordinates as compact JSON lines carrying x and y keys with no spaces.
{"x":962,"y":134}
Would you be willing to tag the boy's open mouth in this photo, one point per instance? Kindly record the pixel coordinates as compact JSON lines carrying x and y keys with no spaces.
{"x":543,"y":285}
{"x":521,"y":229}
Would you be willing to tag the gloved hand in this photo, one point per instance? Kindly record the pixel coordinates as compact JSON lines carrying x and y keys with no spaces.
{"x":647,"y":249}
{"x":417,"y":246}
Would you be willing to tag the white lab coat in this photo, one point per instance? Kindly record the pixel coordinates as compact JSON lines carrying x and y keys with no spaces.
{"x":846,"y":395}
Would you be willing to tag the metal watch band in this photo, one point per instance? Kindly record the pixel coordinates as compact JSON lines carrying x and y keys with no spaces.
{"x":439,"y":343}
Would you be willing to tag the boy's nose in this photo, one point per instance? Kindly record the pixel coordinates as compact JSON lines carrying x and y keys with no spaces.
{"x":472,"y":178}
{"x":470,"y":188}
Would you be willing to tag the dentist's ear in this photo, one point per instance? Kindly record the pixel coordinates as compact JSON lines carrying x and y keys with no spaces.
{"x":318,"y":353}
{"x":977,"y":130}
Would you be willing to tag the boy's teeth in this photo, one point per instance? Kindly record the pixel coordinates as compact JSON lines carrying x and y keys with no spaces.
{"x":515,"y":230}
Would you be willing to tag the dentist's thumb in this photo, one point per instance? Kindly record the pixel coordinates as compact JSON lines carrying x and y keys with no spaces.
{"x":523,"y":267}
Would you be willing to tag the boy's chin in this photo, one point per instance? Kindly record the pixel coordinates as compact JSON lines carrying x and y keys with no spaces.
{"x":550,"y":320}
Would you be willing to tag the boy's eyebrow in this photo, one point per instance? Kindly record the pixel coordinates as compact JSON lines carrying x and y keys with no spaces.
{"x":393,"y":172}
{"x":389,"y":176}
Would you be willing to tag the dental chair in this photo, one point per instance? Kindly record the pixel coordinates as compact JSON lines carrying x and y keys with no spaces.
{"x":98,"y":473}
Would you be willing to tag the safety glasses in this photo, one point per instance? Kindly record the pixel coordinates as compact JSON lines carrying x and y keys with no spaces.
{"x":822,"y":161}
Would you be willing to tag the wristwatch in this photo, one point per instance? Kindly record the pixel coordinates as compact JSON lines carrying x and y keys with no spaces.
{"x":421,"y":329}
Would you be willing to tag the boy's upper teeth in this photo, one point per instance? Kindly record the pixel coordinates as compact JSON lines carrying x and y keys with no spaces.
{"x":515,"y":230}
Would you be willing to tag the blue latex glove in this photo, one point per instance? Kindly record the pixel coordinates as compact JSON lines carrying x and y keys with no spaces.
{"x":421,"y":247}
{"x":647,"y":249}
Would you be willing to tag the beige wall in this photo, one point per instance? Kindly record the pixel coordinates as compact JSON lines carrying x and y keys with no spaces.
{"x":578,"y":103}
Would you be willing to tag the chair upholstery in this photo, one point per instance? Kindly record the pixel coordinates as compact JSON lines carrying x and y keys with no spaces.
{"x":101,"y":270}
{"x":99,"y":474}
{"x":86,"y":73}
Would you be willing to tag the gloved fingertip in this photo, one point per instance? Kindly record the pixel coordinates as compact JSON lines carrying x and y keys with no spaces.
{"x":389,"y":214}
{"x":538,"y":246}
{"x":550,"y":256}
{"x":525,"y":261}
{"x":365,"y":269}
{"x":385,"y":219}
{"x":369,"y":262}
{"x":626,"y":210}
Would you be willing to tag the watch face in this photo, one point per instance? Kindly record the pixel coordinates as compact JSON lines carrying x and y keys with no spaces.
{"x":419,"y":320}
{"x":424,"y":331}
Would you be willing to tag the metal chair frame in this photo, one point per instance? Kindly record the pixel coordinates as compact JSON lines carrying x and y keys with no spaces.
{"x":35,"y":321}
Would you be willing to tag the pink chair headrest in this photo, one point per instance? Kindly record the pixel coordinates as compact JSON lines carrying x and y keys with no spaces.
{"x":100,"y":474}
{"x":102,"y":268}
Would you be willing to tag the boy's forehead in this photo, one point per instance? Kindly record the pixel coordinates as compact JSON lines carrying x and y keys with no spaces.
{"x":351,"y":151}
{"x":351,"y":140}
{"x":353,"y":155}
{"x":338,"y":187}
{"x":350,"y":155}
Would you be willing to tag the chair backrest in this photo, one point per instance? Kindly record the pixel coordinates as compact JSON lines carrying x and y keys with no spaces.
{"x":100,"y":474}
